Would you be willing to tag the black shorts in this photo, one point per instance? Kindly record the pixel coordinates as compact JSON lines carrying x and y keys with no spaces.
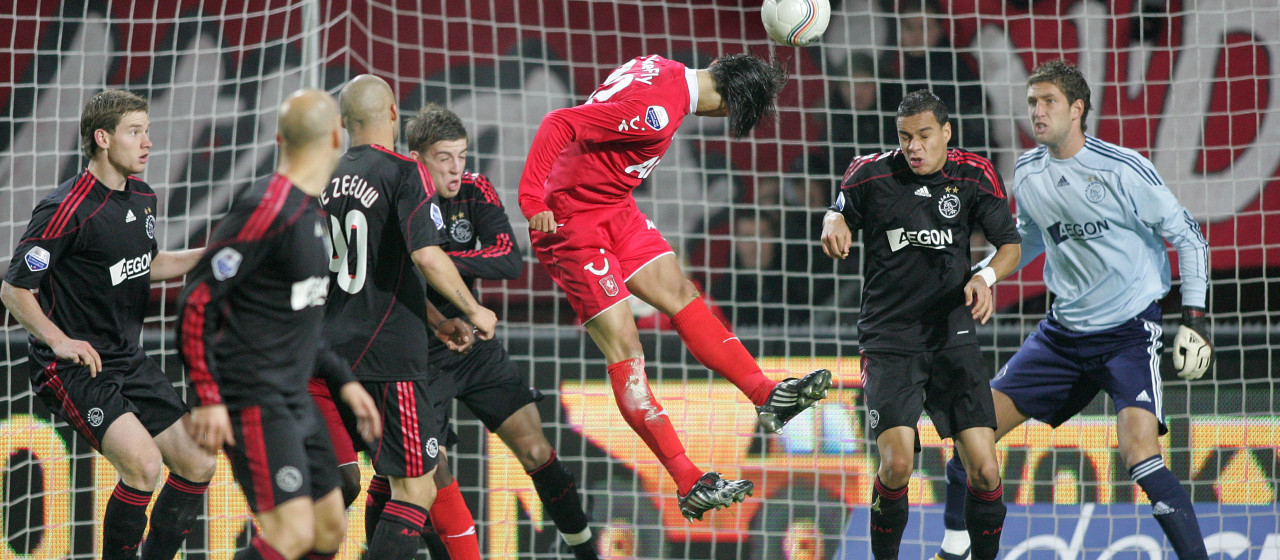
{"x":91,"y":404}
{"x":483,"y":378}
{"x":281,"y":452}
{"x":950,"y":383}
{"x":411,"y":432}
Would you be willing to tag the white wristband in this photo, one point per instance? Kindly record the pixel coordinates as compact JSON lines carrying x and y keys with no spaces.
{"x":988,"y":275}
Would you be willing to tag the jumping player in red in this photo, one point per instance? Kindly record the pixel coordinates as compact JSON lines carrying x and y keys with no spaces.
{"x":250,"y":333}
{"x":600,"y":249}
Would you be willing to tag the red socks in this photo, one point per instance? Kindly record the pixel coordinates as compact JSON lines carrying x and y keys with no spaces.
{"x":645,"y":416}
{"x":452,"y":521}
{"x":720,"y":351}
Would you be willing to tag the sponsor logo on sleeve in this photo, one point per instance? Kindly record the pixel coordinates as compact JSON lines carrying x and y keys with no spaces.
{"x":310,"y":292}
{"x":437,"y":216}
{"x":226,"y":263}
{"x":840,"y":202}
{"x":37,"y":259}
{"x":656,"y":117}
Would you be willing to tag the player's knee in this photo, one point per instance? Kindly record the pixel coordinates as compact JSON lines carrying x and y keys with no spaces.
{"x":141,"y":469}
{"x":419,"y":491}
{"x":350,"y":475}
{"x":198,"y":467}
{"x":293,"y":539}
{"x":330,"y":530}
{"x":533,"y":453}
{"x":985,"y":478}
{"x":895,"y":470}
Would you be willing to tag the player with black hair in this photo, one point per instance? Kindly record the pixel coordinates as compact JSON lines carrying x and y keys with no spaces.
{"x":600,"y":249}
{"x":916,"y":208}
{"x":481,"y":243}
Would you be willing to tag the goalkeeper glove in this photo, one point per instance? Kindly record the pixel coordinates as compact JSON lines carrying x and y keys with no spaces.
{"x":1192,"y":353}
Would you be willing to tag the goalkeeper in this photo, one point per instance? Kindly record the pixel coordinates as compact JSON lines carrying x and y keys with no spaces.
{"x":1101,"y":214}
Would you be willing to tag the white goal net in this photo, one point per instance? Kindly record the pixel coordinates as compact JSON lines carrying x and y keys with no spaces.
{"x":1192,"y":84}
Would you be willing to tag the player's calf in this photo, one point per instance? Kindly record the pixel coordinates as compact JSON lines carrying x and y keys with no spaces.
{"x":791,"y":397}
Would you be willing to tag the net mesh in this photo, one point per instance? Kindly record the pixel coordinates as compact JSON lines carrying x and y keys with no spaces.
{"x":1193,"y":85}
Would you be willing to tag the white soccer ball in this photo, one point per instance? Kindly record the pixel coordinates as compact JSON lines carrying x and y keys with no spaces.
{"x":795,"y":23}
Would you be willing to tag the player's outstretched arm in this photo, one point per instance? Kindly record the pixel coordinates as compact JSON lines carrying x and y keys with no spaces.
{"x":439,"y":271}
{"x":977,"y":292}
{"x":171,"y":264}
{"x":24,"y":307}
{"x":837,"y":238}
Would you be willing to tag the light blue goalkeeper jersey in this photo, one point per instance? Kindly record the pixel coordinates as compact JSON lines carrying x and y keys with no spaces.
{"x":1102,"y":218}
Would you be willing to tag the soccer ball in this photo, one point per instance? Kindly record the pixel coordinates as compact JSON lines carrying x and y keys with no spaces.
{"x":795,"y":23}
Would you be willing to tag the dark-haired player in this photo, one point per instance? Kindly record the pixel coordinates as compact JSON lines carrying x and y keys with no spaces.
{"x":250,"y":337}
{"x":79,"y":282}
{"x":1103,"y":332}
{"x":482,"y":245}
{"x":916,"y":208}
{"x":387,"y":226}
{"x":600,"y":249}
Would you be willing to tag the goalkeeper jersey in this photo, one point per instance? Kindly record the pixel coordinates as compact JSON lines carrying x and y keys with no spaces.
{"x":1101,"y":219}
{"x":915,"y":230}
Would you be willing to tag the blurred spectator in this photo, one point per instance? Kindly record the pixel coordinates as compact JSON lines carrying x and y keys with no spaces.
{"x":859,"y":125}
{"x":925,"y":59}
{"x":754,"y":290}
{"x":811,"y":275}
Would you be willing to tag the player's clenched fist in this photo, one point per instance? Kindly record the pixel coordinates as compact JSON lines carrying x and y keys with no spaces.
{"x":544,"y":222}
{"x":485,"y":322}
{"x":836,"y":236}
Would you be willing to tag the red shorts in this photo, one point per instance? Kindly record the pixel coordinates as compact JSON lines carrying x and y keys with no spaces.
{"x":593,"y":253}
{"x":342,"y":446}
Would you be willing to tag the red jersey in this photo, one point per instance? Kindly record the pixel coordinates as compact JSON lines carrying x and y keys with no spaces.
{"x":595,"y":154}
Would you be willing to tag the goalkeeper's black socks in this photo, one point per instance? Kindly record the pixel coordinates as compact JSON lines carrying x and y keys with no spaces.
{"x":889,"y":510}
{"x":123,"y":523}
{"x":1171,"y":506}
{"x":171,"y":520}
{"x":984,"y":516}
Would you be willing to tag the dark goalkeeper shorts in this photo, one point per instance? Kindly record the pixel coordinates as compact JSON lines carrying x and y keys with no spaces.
{"x":950,"y":383}
{"x":411,"y":432}
{"x":282,"y":452}
{"x":91,"y":404}
{"x":483,"y":378}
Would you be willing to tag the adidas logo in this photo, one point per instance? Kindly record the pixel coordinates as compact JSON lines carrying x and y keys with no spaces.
{"x":1162,"y":508}
{"x":1143,"y":397}
{"x":923,"y":191}
{"x":1062,"y":182}
{"x":129,"y":217}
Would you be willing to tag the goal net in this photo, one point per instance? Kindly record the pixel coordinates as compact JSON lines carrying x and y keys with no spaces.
{"x":1192,"y":84}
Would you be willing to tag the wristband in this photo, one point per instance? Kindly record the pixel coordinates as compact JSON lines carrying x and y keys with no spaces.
{"x":988,"y":275}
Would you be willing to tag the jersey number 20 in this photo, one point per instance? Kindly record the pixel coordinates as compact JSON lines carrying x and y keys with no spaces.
{"x":350,"y":256}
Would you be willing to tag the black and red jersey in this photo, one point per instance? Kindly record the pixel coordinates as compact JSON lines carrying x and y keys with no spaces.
{"x":478,"y":237}
{"x":915,"y":230}
{"x":253,"y":307}
{"x":382,"y":206}
{"x":88,"y":251}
